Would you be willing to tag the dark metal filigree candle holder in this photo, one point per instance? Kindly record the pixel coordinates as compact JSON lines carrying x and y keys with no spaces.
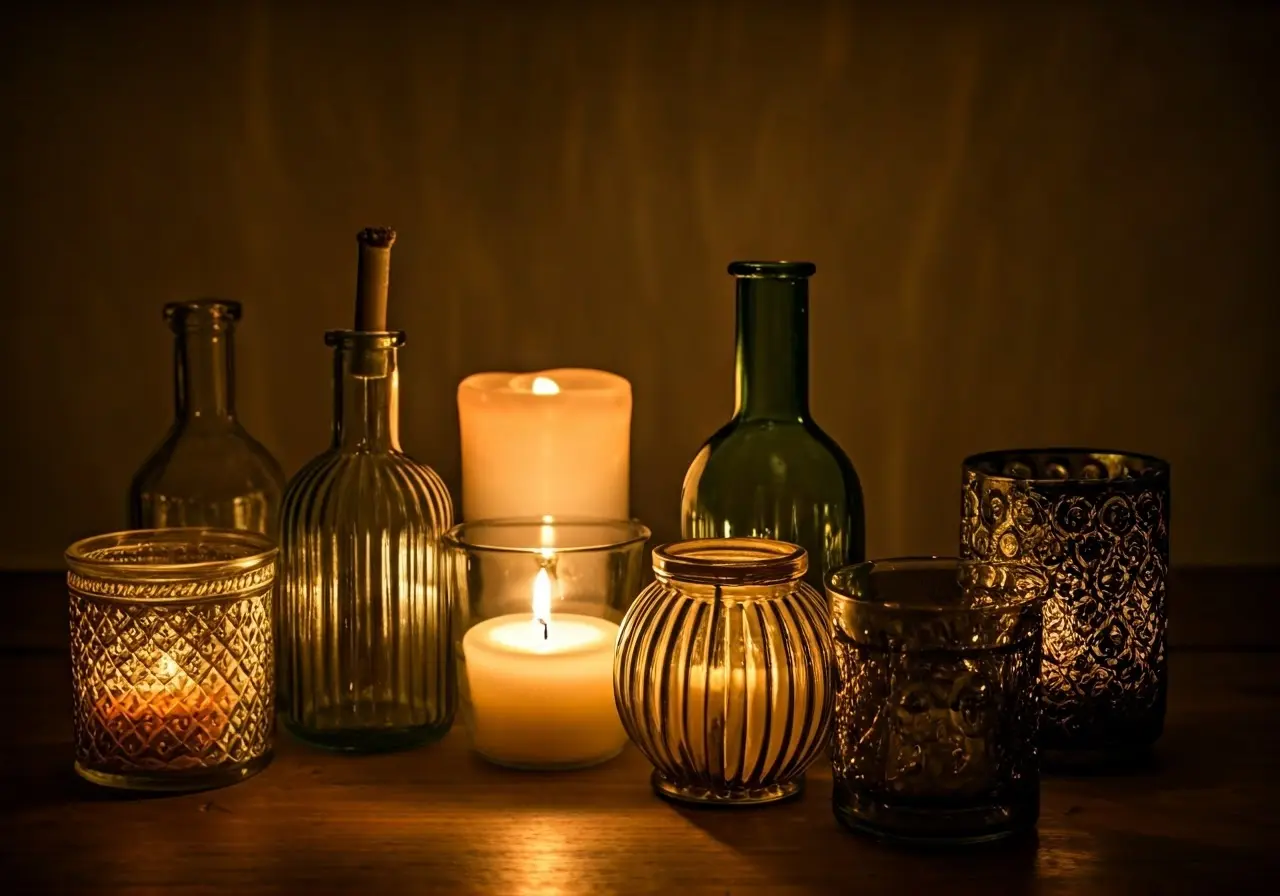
{"x":1097,"y":523}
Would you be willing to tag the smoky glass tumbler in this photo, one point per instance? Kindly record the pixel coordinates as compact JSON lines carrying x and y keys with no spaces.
{"x":1097,"y":524}
{"x":172,"y":657}
{"x":936,"y":703}
{"x":723,"y":671}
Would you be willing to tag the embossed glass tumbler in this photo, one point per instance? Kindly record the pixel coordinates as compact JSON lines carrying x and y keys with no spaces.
{"x":171,"y":657}
{"x":539,"y":602}
{"x":723,"y":671}
{"x":936,"y":706}
{"x":1097,"y":524}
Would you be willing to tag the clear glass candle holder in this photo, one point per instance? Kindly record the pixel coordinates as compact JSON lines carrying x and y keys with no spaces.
{"x":1096,"y":523}
{"x":172,"y":657}
{"x":936,"y":707}
{"x":723,"y":671}
{"x":538,"y":603}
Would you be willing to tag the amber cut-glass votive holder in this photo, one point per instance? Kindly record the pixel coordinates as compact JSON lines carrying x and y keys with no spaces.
{"x":1096,"y":523}
{"x":723,"y":671}
{"x":172,"y":657}
{"x":936,"y":707}
{"x":538,"y":602}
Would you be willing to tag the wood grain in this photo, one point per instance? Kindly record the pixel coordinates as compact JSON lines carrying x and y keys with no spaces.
{"x":1201,"y":817}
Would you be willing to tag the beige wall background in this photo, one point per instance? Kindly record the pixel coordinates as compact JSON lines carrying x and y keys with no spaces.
{"x":1033,"y":223}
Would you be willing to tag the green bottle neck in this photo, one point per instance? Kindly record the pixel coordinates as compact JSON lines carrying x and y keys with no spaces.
{"x":773,"y":348}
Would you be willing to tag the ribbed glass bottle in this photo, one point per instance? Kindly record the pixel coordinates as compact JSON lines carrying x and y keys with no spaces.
{"x":771,"y":471}
{"x":208,"y":471}
{"x":365,"y":647}
{"x":723,"y":672}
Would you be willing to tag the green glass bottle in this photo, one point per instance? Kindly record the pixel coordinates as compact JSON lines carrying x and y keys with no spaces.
{"x":771,"y":471}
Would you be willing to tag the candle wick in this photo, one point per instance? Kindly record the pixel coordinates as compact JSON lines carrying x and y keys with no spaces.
{"x":543,"y":622}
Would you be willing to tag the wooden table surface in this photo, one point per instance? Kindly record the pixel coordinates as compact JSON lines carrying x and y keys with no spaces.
{"x":1203,"y":817}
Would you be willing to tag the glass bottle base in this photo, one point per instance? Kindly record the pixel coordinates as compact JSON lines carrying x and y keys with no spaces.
{"x":185,"y":781}
{"x":911,"y":826}
{"x":697,"y":795}
{"x":367,"y":740}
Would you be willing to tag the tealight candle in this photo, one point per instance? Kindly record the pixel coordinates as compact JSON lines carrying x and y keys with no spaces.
{"x":541,"y":687}
{"x":551,"y":443}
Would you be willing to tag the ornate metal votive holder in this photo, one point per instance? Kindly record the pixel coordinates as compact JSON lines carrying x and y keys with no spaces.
{"x":538,"y":602}
{"x":1097,"y":524}
{"x":723,"y":671}
{"x":171,"y":657}
{"x":936,"y":706}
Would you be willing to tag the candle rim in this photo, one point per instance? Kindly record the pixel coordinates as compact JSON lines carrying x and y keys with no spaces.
{"x":731,"y":562}
{"x":632,"y":532}
{"x":96,"y":568}
{"x":1153,"y":468}
{"x":597,"y":624}
{"x":499,"y":382}
{"x":841,"y":583}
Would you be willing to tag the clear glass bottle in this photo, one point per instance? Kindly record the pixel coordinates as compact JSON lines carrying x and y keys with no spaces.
{"x":366,"y":660}
{"x":208,"y":471}
{"x":771,"y":472}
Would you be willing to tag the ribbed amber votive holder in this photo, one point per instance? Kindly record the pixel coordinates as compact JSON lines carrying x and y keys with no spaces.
{"x":723,"y":671}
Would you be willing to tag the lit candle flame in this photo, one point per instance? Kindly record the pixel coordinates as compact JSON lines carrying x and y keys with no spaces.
{"x":542,"y":601}
{"x":545,"y":385}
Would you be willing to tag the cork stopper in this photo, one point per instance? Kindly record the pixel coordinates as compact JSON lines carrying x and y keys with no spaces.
{"x":373,"y":278}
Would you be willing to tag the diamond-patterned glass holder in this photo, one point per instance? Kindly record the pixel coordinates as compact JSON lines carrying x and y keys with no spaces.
{"x":172,"y":657}
{"x":1096,"y":522}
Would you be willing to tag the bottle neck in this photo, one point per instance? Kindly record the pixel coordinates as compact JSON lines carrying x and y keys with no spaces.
{"x":773,"y":348}
{"x":204,"y":355}
{"x":366,"y":396}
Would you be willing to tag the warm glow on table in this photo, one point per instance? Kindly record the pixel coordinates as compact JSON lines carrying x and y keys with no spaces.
{"x":556,"y":442}
{"x":541,"y":686}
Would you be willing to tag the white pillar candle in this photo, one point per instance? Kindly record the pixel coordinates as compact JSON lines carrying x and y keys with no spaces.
{"x":540,"y":689}
{"x":556,"y":442}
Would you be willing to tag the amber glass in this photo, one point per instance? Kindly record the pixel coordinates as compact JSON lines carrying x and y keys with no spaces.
{"x":171,"y":657}
{"x":771,"y":471}
{"x":208,"y":471}
{"x":723,"y":671}
{"x":366,"y":662}
{"x":1096,"y":523}
{"x":936,"y":706}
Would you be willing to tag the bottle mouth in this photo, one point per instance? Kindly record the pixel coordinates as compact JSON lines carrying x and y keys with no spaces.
{"x":364,"y":339}
{"x":777,"y":270}
{"x":202,"y":311}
